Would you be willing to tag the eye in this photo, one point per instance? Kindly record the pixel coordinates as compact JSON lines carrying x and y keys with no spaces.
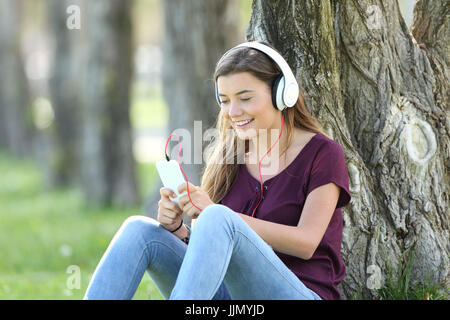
{"x":223,"y":102}
{"x":245,"y":99}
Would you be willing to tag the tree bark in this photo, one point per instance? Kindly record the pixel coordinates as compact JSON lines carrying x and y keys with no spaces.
{"x":65,"y":97}
{"x":197,"y":32}
{"x":15,"y":113}
{"x":108,"y":166}
{"x":431,"y":31}
{"x":376,"y":93}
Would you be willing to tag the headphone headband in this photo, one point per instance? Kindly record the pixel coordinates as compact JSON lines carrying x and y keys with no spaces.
{"x":291,"y":90}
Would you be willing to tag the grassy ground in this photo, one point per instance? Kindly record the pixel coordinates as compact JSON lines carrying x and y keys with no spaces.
{"x":43,"y":233}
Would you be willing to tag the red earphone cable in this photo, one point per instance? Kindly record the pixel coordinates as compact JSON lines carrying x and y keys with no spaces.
{"x":259,"y":166}
{"x":179,"y":155}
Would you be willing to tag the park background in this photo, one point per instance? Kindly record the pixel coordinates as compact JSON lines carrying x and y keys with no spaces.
{"x":86,"y":107}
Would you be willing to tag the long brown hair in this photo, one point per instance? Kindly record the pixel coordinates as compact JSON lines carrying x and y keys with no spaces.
{"x":219,"y":174}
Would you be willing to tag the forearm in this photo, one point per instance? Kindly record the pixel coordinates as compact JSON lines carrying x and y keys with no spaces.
{"x":291,"y":240}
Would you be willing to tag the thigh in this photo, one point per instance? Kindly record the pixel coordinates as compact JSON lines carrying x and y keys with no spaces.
{"x":256,"y":272}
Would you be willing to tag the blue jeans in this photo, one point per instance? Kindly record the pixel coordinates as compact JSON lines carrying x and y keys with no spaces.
{"x":225,"y":259}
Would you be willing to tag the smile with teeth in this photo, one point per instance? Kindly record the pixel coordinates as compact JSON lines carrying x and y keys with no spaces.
{"x":243,"y":123}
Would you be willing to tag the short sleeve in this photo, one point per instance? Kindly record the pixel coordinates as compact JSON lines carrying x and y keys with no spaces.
{"x":329,"y":166}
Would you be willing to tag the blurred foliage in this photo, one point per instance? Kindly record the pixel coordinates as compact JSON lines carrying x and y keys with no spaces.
{"x":148,"y":109}
{"x":148,"y":21}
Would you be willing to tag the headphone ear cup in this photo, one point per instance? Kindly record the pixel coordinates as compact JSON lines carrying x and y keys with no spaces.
{"x":277,"y":93}
{"x":274,"y":90}
{"x":217,"y":93}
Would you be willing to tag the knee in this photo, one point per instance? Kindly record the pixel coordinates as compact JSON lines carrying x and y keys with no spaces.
{"x":215,"y":214}
{"x":140,"y":226}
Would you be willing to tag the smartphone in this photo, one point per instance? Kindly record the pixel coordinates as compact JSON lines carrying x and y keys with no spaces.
{"x":171,"y":176}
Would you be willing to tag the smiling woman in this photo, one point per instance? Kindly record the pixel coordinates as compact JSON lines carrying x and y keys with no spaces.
{"x":285,"y":247}
{"x":300,"y":217}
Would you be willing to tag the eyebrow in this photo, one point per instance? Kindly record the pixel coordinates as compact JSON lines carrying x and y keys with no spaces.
{"x":238,"y":93}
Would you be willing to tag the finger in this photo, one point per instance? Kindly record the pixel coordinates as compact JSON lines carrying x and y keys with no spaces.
{"x":170,"y":205}
{"x":193,"y":212}
{"x":182,"y":201}
{"x":165,"y":220}
{"x":183,"y":187}
{"x":169,"y":214}
{"x":195,"y":215}
{"x":162,"y":192}
{"x":165,"y":193}
{"x":166,"y":216}
{"x":186,"y":207}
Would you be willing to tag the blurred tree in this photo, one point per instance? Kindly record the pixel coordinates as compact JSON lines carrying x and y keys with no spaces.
{"x":108,"y":166}
{"x":15,"y":124}
{"x":385,"y":100}
{"x":64,"y":86}
{"x":197,"y":32}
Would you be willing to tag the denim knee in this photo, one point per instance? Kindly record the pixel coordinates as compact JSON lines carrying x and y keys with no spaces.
{"x":141,"y":227}
{"x":216,"y":215}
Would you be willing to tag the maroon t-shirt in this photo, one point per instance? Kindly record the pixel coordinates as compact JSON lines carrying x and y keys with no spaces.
{"x":319,"y":162}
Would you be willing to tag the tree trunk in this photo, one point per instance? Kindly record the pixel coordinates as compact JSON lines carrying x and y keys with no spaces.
{"x":375,"y":93}
{"x":194,"y":40}
{"x":64,"y":91}
{"x":15,"y":117}
{"x":431,"y":30}
{"x":108,"y":165}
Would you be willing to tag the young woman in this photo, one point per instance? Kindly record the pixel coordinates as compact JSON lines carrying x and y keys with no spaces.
{"x":259,"y":234}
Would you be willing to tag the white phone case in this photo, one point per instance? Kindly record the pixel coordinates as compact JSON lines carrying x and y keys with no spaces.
{"x":171,"y":176}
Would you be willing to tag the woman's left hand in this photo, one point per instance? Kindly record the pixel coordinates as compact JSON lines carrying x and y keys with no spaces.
{"x":199,"y":197}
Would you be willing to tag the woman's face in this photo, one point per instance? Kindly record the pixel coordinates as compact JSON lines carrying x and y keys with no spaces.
{"x":245,"y":97}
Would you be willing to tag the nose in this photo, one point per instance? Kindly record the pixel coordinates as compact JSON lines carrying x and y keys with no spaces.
{"x":235,"y":110}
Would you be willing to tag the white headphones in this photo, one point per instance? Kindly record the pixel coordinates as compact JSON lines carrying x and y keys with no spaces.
{"x":285,"y":89}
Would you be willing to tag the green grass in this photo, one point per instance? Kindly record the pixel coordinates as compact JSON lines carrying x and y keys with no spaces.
{"x":42,"y":233}
{"x":398,"y":284}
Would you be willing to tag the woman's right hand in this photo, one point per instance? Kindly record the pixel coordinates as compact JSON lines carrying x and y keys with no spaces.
{"x":169,"y":213}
